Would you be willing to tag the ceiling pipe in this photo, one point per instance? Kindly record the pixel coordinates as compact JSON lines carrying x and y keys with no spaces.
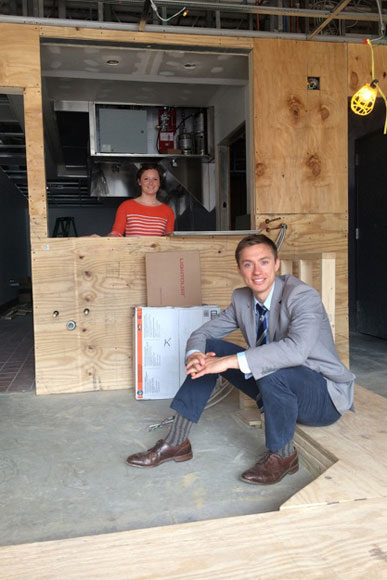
{"x":87,"y":24}
{"x":245,"y":8}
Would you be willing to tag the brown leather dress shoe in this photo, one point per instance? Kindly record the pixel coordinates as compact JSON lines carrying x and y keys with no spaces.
{"x":160,"y":453}
{"x":271,"y":469}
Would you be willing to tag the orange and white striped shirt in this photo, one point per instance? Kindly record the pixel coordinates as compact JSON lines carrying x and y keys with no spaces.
{"x":136,"y":219}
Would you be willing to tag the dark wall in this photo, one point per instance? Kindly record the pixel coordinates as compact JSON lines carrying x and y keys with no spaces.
{"x":89,"y":219}
{"x":14,"y":239}
{"x":357,"y":127}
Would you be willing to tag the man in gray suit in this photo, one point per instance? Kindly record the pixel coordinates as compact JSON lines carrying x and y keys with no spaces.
{"x":291,"y":367}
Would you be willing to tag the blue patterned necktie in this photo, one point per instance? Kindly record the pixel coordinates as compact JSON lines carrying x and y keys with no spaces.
{"x":262,"y":337}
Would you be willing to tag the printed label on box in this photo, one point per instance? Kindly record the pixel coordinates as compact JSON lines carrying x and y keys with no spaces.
{"x":161,"y":335}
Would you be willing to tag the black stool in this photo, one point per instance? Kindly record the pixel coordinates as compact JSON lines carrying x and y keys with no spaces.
{"x":63,"y":226}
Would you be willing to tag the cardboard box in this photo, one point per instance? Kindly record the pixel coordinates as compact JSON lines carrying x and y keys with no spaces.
{"x":173,"y":279}
{"x":160,"y":338}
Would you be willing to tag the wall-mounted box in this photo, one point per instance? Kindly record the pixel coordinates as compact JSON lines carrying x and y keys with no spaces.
{"x":135,"y":130}
{"x":121,"y":130}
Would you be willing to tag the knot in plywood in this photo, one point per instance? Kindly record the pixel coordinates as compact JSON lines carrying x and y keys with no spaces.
{"x":91,"y":350}
{"x":354,"y":80}
{"x":314,"y":164}
{"x":260,"y":169}
{"x":378,"y":554}
{"x":324,"y":112}
{"x":89,"y":296}
{"x":295,"y":107}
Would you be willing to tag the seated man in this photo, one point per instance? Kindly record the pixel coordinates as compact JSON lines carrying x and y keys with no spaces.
{"x":291,"y":367}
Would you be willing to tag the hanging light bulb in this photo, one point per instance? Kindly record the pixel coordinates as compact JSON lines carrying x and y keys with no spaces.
{"x":363,"y":101}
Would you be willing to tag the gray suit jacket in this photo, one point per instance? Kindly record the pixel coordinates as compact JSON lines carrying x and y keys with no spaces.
{"x":299,"y":331}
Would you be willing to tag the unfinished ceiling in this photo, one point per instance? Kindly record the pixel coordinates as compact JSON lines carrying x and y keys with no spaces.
{"x":347,"y":20}
{"x":133,"y":75}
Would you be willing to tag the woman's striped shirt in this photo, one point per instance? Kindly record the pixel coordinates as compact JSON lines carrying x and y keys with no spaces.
{"x":135,"y":219}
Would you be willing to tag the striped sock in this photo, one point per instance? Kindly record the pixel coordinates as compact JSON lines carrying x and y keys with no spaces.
{"x":286,"y":450}
{"x":178,"y":431}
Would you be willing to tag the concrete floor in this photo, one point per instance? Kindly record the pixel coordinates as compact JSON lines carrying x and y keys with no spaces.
{"x":368,"y":358}
{"x":63,"y":471}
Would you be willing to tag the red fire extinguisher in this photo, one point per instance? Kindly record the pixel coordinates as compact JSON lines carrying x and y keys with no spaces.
{"x":167,"y":129}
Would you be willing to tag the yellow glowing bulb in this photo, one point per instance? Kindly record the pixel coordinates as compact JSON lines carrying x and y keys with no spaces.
{"x":363,"y":101}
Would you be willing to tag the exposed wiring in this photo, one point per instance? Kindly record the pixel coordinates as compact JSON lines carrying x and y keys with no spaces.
{"x":166,"y":421}
{"x":222,"y":389}
{"x":281,"y":236}
{"x":155,"y":10}
{"x":372,"y":59}
{"x":332,"y":27}
{"x":183,"y":121}
{"x":382,"y":27}
{"x":114,"y":13}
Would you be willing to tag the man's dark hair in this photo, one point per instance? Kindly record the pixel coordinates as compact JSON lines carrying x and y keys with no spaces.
{"x":253,"y":240}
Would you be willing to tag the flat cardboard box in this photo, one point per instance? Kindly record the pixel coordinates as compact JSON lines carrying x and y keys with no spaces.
{"x":160,"y":339}
{"x":173,"y":278}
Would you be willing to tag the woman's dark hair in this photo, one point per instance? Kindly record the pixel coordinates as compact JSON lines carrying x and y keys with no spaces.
{"x":147,"y":166}
{"x":253,"y":240}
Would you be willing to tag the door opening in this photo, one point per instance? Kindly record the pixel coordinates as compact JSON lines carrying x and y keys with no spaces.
{"x":367,"y":283}
{"x":234,"y":211}
{"x":17,"y":369}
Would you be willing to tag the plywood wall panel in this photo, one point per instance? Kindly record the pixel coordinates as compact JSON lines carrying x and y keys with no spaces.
{"x":300,"y":135}
{"x":96,"y":282}
{"x":56,"y":349}
{"x":319,"y":233}
{"x":314,"y":232}
{"x":19,"y":56}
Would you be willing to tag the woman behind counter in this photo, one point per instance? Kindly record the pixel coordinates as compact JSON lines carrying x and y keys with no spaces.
{"x":145,"y":215}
